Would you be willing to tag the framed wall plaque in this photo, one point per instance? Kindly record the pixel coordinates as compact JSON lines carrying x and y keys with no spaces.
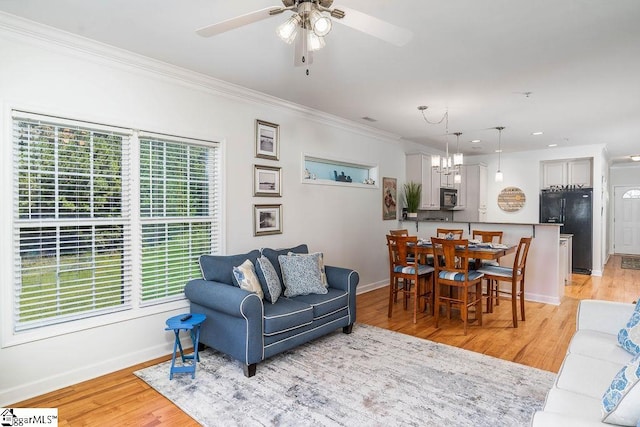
{"x":267,"y":140}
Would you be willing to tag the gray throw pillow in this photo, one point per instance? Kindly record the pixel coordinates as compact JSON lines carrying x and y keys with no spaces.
{"x":319,"y":257}
{"x":269,"y":281}
{"x":301,"y":276}
{"x":273,"y":254}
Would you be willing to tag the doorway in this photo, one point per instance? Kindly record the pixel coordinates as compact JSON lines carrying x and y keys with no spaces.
{"x":626,"y":217}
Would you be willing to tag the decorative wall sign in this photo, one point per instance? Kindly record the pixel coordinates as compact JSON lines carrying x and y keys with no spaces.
{"x":389,"y":197}
{"x":511,"y":199}
{"x":267,"y":140}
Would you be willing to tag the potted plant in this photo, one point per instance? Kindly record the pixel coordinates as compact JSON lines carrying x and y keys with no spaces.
{"x":412,"y":191}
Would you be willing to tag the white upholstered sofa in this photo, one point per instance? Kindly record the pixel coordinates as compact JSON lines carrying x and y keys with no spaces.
{"x":593,"y":359}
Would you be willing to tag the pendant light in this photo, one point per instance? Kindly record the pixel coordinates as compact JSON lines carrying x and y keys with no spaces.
{"x":499,"y":176}
{"x":457,"y":160}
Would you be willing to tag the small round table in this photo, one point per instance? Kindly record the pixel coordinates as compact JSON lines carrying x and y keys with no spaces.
{"x":192,"y":324}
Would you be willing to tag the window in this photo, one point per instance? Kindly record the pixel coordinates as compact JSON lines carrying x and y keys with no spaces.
{"x":631,"y":194}
{"x":176,"y":214}
{"x":79,"y":244}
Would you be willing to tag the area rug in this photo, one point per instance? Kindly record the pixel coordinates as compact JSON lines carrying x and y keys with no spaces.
{"x":631,"y":262}
{"x":372,"y":377}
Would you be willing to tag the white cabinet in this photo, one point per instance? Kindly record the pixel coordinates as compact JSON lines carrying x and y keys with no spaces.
{"x":472,"y":194}
{"x":579,"y":172}
{"x":419,"y":170}
{"x":567,"y":172}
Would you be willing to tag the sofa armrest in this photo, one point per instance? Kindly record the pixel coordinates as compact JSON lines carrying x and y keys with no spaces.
{"x":342,"y":278}
{"x":224,"y":298}
{"x":542,"y":418}
{"x":603,"y":316}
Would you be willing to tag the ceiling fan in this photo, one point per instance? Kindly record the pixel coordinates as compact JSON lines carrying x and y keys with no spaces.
{"x":312,"y":18}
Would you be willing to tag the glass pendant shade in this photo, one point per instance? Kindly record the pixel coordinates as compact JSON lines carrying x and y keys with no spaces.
{"x":314,"y":42}
{"x":288,"y":30}
{"x":457,"y":159}
{"x":499,"y":176}
{"x":457,"y":178}
{"x":320,"y":24}
{"x":435,"y":161}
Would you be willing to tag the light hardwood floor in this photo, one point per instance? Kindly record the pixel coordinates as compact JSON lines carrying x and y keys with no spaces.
{"x":122,"y":399}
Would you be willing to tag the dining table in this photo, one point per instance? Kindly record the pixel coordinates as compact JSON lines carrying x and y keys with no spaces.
{"x":486,"y":251}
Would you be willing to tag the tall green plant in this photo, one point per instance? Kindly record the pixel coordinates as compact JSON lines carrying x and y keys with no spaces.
{"x":412,"y":191}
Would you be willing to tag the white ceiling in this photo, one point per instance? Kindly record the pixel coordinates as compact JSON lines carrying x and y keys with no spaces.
{"x":580,"y":59}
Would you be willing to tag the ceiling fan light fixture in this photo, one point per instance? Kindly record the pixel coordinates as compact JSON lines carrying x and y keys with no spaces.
{"x":314,"y":42}
{"x":320,"y":24}
{"x":288,"y":30}
{"x":635,"y":158}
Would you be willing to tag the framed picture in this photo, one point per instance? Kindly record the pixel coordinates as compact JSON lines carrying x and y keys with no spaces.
{"x":389,"y":198}
{"x":266,"y":181}
{"x":267,"y":140}
{"x":267,"y":219}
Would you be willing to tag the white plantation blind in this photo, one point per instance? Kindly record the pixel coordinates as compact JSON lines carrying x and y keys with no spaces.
{"x":178,"y":212}
{"x":71,"y":228}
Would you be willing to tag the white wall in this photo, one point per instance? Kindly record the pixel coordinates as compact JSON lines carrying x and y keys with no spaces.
{"x":523,"y":170}
{"x":57,"y":74}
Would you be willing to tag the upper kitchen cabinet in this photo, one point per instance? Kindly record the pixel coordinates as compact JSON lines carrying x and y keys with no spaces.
{"x":562,"y":173}
{"x":419,"y":170}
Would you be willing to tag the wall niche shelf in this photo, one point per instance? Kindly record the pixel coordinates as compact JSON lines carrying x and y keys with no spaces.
{"x":323,"y":170}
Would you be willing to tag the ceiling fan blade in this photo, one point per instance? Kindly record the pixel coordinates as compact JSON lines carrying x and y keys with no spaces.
{"x":375,"y":27}
{"x":238,"y":21}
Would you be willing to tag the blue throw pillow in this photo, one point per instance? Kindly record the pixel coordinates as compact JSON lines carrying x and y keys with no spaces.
{"x":219,"y":268}
{"x":620,"y":401}
{"x":301,"y":276}
{"x":629,"y":336}
{"x":273,"y":254}
{"x":271,"y":286}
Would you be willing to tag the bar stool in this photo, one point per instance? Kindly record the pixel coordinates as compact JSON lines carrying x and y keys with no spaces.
{"x":188,"y":322}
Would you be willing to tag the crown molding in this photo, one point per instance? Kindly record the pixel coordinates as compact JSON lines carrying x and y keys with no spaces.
{"x":31,"y":32}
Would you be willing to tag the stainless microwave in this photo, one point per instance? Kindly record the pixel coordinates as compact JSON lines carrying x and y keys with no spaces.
{"x":448,"y":198}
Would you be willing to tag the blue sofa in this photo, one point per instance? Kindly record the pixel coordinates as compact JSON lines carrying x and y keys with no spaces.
{"x":244,"y":326}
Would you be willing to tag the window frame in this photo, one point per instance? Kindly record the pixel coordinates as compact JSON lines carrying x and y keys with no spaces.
{"x":8,"y":296}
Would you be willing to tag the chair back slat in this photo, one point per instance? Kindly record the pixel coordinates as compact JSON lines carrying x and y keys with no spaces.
{"x":401,"y":232}
{"x":488,"y":236}
{"x":445,"y":257}
{"x":520,"y":260}
{"x":446,"y":232}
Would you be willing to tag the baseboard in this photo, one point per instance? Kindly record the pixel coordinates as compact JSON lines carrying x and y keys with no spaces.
{"x":361,"y":289}
{"x":545,"y":299}
{"x":56,"y":382}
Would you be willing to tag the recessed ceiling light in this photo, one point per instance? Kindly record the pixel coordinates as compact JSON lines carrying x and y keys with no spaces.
{"x":635,"y":158}
{"x":552,"y":145}
{"x":475,"y":141}
{"x":536,"y":133}
{"x":498,"y":151}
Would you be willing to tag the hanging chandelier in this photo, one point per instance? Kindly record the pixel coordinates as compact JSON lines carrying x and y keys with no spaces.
{"x":446,"y":165}
{"x":499,"y":176}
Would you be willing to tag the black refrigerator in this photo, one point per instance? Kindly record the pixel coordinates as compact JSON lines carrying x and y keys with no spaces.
{"x":573,"y":209}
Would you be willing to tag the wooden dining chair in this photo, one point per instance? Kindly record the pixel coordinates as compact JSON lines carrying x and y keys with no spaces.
{"x":450,"y":233}
{"x":401,"y":232}
{"x":417,"y":280}
{"x":515,"y":275}
{"x":455,"y":284}
{"x":488,"y":237}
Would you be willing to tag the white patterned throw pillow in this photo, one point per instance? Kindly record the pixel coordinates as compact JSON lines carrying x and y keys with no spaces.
{"x":269,"y":280}
{"x":621,"y":401}
{"x":301,"y":276}
{"x":319,"y":257}
{"x":629,"y":336}
{"x":245,"y":275}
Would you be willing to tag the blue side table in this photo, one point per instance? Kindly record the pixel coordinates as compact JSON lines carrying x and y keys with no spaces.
{"x":193,"y":326}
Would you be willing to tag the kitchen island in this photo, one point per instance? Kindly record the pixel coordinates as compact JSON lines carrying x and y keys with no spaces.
{"x":543,"y":280}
